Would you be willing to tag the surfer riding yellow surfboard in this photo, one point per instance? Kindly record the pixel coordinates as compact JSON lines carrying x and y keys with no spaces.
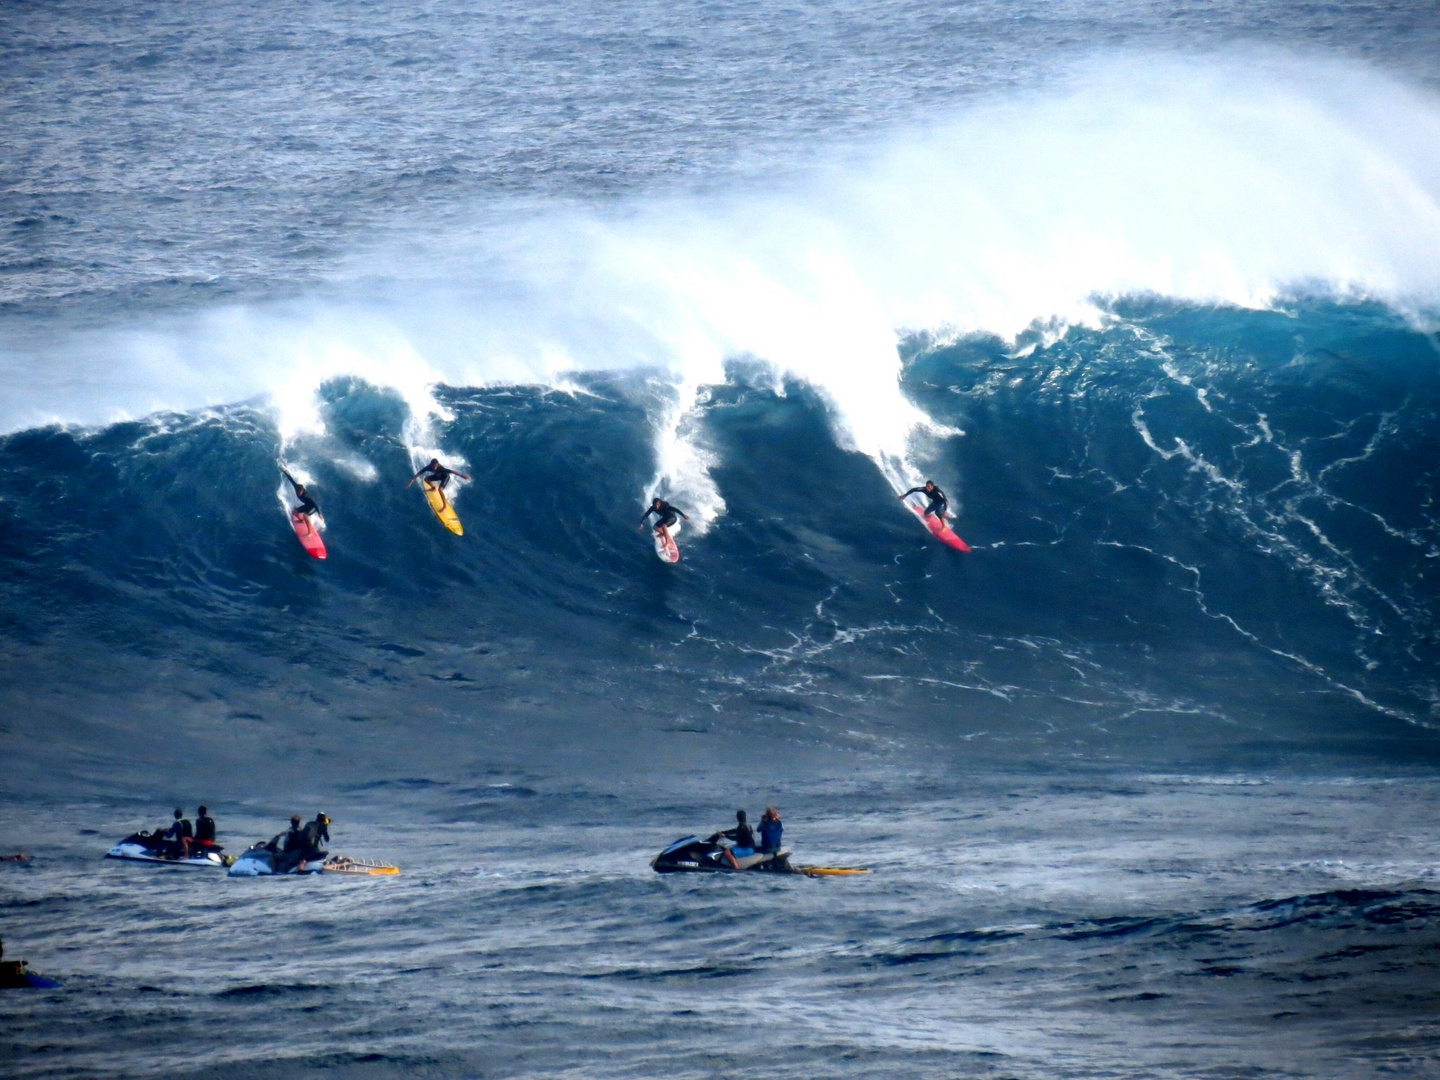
{"x":434,"y":477}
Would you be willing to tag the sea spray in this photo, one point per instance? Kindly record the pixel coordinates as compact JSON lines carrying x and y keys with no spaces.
{"x":1233,"y":179}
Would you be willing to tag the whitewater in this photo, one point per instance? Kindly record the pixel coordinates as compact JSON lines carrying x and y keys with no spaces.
{"x":1151,"y":291}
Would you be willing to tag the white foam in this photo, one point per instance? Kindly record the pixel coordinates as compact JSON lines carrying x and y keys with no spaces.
{"x":1224,"y":179}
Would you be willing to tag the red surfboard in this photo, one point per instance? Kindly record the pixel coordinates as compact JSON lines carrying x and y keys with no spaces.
{"x":943,"y":532}
{"x":307,"y":532}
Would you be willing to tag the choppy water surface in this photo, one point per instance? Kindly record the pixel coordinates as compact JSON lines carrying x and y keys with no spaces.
{"x":1171,"y":926}
{"x":1146,"y":779}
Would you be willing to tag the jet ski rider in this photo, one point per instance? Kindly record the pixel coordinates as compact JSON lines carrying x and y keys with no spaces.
{"x":938,"y":502}
{"x":316,"y":831}
{"x":743,"y":835}
{"x":437,"y":476}
{"x":665,"y":516}
{"x":307,"y":504}
{"x":178,"y":836}
{"x":770,"y":831}
{"x":302,"y":845}
{"x":287,"y":844}
{"x":204,"y":829}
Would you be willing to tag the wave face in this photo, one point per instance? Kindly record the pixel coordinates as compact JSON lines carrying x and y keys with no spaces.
{"x":1150,"y":289}
{"x":1197,"y":530}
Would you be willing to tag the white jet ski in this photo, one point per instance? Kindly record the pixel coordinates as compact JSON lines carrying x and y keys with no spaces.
{"x":152,"y":847}
{"x":266,"y":859}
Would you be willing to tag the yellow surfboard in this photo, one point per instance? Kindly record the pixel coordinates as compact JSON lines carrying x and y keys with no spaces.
{"x":444,"y":509}
{"x":360,"y":867}
{"x":832,"y":871}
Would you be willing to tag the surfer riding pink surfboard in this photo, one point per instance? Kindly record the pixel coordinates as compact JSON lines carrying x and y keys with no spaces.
{"x":667,"y":524}
{"x":933,"y":515}
{"x":304,"y":518}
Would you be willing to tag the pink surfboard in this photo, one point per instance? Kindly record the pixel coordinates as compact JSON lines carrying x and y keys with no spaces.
{"x":942,"y":531}
{"x":308,"y":534}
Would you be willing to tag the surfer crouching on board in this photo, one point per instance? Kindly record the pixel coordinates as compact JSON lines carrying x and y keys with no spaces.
{"x":307,"y":504}
{"x":437,"y":476}
{"x":665,"y":516}
{"x":938,"y":502}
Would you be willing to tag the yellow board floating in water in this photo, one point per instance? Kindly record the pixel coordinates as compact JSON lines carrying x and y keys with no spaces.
{"x":832,"y":871}
{"x":444,"y":509}
{"x":360,"y":867}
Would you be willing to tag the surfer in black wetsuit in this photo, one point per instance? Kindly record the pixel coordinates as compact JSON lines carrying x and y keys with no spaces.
{"x":307,"y":504}
{"x":938,"y":502}
{"x":665,"y":516}
{"x":437,"y":476}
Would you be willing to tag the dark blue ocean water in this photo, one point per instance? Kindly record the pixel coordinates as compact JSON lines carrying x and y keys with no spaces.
{"x":1147,"y":779}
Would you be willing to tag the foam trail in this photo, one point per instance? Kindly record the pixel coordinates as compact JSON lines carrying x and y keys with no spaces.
{"x":1224,"y":180}
{"x":683,"y":472}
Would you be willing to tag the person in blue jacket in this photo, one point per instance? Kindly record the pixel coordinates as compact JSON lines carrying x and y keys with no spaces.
{"x":770,"y":831}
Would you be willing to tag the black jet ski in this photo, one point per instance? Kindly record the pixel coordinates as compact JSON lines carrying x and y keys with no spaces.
{"x":153,"y":847}
{"x":692,"y":855}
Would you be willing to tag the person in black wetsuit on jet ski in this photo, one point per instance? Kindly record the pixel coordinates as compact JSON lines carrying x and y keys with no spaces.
{"x":437,"y":476}
{"x":665,"y":516}
{"x":938,"y":502}
{"x":316,"y":831}
{"x":301,"y":845}
{"x":287,"y":843}
{"x":204,"y":829}
{"x":743,"y":835}
{"x":307,"y":504}
{"x":178,"y":836}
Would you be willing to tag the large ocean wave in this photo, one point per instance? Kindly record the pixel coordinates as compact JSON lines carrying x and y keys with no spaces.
{"x":1197,"y":529}
{"x":1164,"y":337}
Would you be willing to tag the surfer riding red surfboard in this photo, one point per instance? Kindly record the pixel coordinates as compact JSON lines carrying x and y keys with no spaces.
{"x":665,"y":518}
{"x":938,"y":502}
{"x":934,"y":514}
{"x":303,"y":517}
{"x":307,"y":504}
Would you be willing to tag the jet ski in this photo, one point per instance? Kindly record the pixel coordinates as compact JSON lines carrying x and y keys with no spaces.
{"x":153,"y":847}
{"x":266,"y":858}
{"x":16,"y":975}
{"x":692,"y":855}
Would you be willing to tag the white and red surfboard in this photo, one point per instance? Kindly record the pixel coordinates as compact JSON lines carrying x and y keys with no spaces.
{"x":665,"y":547}
{"x":307,"y":529}
{"x":937,"y":526}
